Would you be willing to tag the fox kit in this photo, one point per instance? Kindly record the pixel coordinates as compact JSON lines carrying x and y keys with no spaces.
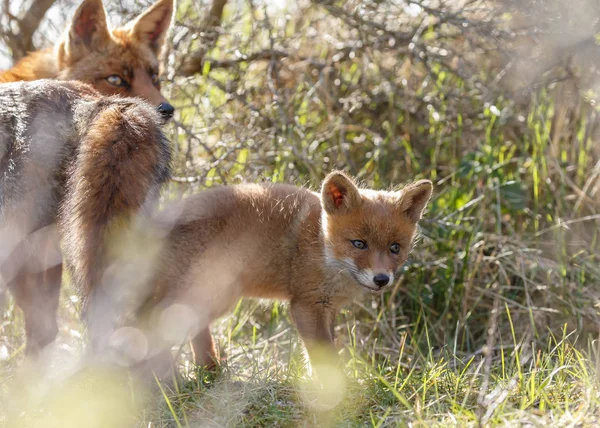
{"x":122,"y":61}
{"x":317,"y":251}
{"x":64,"y":148}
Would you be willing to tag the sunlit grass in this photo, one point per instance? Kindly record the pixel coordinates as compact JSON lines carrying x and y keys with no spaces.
{"x":265,"y":382}
{"x":524,"y":383}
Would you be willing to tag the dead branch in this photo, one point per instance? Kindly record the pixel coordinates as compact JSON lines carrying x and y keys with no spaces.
{"x":209,"y":38}
{"x":21,"y":42}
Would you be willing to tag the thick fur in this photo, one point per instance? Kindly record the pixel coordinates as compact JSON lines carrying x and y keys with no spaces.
{"x":37,"y":137}
{"x":65,"y":148}
{"x":280,"y":242}
{"x":115,"y":176}
{"x":89,"y":51}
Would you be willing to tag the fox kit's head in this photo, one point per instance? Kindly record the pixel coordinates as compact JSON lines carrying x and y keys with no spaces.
{"x":122,"y":61}
{"x":368,"y":233}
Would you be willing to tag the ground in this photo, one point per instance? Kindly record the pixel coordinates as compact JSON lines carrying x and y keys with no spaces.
{"x":390,"y":378}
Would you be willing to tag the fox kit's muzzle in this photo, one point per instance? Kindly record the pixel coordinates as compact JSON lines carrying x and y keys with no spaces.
{"x":381,"y":280}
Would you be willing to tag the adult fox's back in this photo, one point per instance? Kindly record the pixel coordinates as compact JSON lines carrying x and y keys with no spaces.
{"x":121,"y":61}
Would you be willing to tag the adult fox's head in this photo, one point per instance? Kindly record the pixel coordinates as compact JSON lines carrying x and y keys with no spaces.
{"x":121,"y":61}
{"x":369,"y":233}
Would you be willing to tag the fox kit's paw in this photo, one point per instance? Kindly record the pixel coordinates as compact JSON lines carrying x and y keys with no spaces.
{"x":204,"y":350}
{"x":213,"y":365}
{"x":212,"y":362}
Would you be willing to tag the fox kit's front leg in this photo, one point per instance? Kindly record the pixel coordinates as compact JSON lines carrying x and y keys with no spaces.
{"x":315,"y":322}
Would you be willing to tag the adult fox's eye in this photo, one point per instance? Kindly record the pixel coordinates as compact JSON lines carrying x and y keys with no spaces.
{"x":395,"y":248}
{"x":116,"y":80}
{"x":361,"y":245}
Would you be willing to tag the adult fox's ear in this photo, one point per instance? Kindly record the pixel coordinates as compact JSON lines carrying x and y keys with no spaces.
{"x":88,"y":31}
{"x":414,"y":198}
{"x":152,"y":25}
{"x":339,"y":194}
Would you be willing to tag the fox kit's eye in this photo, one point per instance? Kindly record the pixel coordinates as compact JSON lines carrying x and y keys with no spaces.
{"x":155,"y":79}
{"x":395,"y":248}
{"x":361,"y":245}
{"x":116,"y":80}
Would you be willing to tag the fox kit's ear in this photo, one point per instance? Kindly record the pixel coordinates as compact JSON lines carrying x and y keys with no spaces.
{"x":414,"y":199}
{"x":152,"y":25}
{"x":339,"y":194}
{"x":88,"y":31}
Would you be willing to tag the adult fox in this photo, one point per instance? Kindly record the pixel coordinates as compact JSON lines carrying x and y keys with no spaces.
{"x":121,"y":61}
{"x":88,"y":162}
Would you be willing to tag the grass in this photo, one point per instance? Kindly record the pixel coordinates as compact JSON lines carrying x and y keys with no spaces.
{"x":264,"y":382}
{"x":514,"y":383}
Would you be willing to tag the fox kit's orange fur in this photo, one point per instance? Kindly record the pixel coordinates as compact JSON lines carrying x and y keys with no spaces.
{"x":317,"y":251}
{"x":122,"y":61}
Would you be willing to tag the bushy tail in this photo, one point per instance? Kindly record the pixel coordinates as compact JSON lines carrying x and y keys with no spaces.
{"x":122,"y":160}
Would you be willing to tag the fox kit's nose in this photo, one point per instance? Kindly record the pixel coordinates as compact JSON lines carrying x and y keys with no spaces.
{"x":381,"y":279}
{"x":166,"y":110}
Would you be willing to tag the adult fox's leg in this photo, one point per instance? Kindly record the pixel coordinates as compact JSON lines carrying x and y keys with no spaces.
{"x":34,"y":273}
